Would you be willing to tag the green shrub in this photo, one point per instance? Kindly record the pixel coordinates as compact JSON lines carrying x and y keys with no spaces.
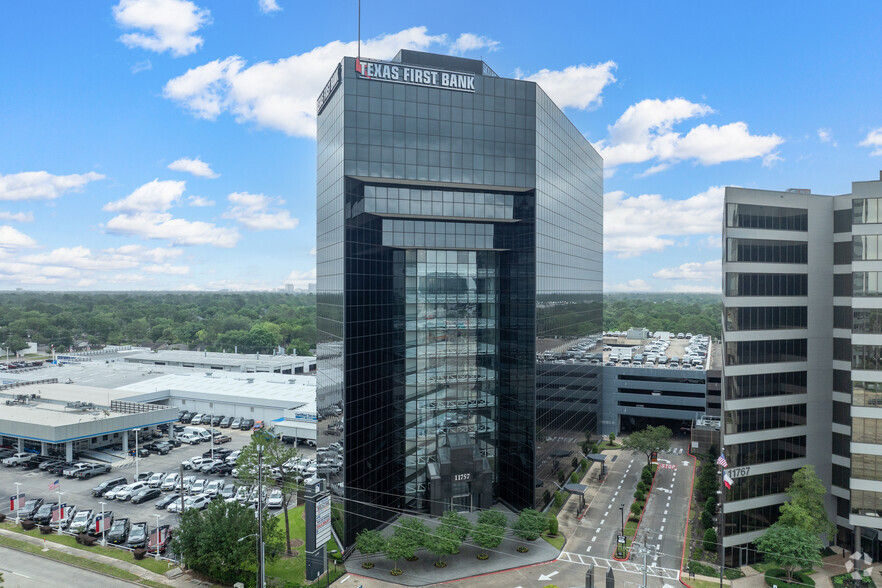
{"x":553,"y":525}
{"x":638,"y":495}
{"x":646,"y":476}
{"x":558,"y":499}
{"x":707,"y":521}
{"x":641,"y":487}
{"x":778,"y":577}
{"x":575,"y":462}
{"x":710,"y":540}
{"x":710,"y":504}
{"x":636,"y":509}
{"x":546,"y":496}
{"x":701,"y":568}
{"x":574,"y":477}
{"x":585,"y":465}
{"x":561,"y":476}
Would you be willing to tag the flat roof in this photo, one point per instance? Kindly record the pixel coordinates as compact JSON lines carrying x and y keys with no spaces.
{"x":224,"y":359}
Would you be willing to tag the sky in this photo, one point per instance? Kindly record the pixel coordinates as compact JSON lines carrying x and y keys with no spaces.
{"x":170,"y":144}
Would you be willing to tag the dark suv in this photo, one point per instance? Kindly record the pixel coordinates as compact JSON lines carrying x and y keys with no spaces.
{"x":30,"y":508}
{"x":106,"y":485}
{"x":137,"y":536}
{"x":247,"y":424}
{"x":119,"y":532}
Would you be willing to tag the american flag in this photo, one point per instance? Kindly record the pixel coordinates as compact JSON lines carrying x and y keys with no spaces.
{"x":54,"y":485}
{"x":722,"y":461}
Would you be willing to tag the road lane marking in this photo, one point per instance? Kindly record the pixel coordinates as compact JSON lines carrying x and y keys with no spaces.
{"x":598,"y":530}
{"x":666,"y":512}
{"x":662,"y":528}
{"x":589,"y":548}
{"x":593,"y":539}
{"x":660,"y":537}
{"x":665,"y":520}
{"x":601,"y":520}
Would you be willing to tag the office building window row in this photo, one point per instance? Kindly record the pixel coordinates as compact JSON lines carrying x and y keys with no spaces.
{"x":756,"y":452}
{"x":842,"y":413}
{"x":866,"y":394}
{"x":752,"y":519}
{"x":867,"y":284}
{"x":842,"y":284}
{"x":866,"y":467}
{"x":866,"y":430}
{"x":866,"y":357}
{"x":766,"y":251}
{"x":843,"y":252}
{"x":744,"y":284}
{"x":842,"y":317}
{"x":450,"y":203}
{"x":766,"y":351}
{"x":866,"y":211}
{"x":866,"y":503}
{"x":841,"y":349}
{"x":867,"y":320}
{"x":764,"y":418}
{"x":841,"y":445}
{"x":866,"y":248}
{"x":761,"y":385}
{"x":841,"y":475}
{"x":431,"y":234}
{"x":842,"y":220}
{"x":756,"y":318}
{"x":759,"y":485}
{"x":842,"y":381}
{"x":757,"y":216}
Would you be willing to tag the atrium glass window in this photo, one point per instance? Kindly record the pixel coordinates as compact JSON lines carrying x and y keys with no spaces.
{"x":755,"y":216}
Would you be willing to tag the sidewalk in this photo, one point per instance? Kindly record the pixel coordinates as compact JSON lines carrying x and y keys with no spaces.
{"x":181,"y":582}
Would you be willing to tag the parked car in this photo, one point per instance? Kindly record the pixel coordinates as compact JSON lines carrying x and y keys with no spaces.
{"x":171,"y":482}
{"x":67,"y":516}
{"x":216,"y":419}
{"x":194,"y":462}
{"x":227,"y":493}
{"x":92,"y":470}
{"x":17,"y":459}
{"x":219,"y":453}
{"x":80,"y":522}
{"x":236,"y":423}
{"x":207,"y":465}
{"x":159,"y":539}
{"x":158,"y":447}
{"x":223,"y":439}
{"x":187,"y":418}
{"x":30,"y":508}
{"x":197,"y":419}
{"x":126,"y":492}
{"x":198,"y":487}
{"x":190,"y":438}
{"x":119,"y":531}
{"x":44,"y":514}
{"x":156,"y":479}
{"x":224,"y":469}
{"x":188,"y":483}
{"x":137,"y":536}
{"x":214,"y":487}
{"x":199,"y":502}
{"x":71,"y":472}
{"x":106,"y":485}
{"x":50,"y":463}
{"x":274,"y":500}
{"x":60,"y":467}
{"x":242,"y":494}
{"x":143,"y":476}
{"x":146,"y":494}
{"x":36,"y":461}
{"x":173,"y":442}
{"x":93,"y":522}
{"x":225,"y":422}
{"x":163,"y":502}
{"x":231,"y":458}
{"x":247,"y":424}
{"x":258,"y":425}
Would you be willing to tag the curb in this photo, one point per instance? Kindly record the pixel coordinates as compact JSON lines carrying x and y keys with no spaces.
{"x":67,"y":563}
{"x":640,"y":520}
{"x":541,"y":563}
{"x":689,"y":510}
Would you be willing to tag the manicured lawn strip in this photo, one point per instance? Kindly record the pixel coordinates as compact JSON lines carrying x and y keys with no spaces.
{"x":698,"y":583}
{"x":845,"y":580}
{"x":148,"y":563}
{"x":70,"y":559}
{"x":557,"y":541}
{"x":293,"y":569}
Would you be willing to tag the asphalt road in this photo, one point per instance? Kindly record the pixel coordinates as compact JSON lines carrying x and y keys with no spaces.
{"x":25,"y":571}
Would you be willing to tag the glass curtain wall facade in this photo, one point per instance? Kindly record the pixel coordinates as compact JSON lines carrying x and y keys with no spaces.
{"x":459,"y":217}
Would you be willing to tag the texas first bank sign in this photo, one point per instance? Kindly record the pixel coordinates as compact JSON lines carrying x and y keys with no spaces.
{"x":400,"y":74}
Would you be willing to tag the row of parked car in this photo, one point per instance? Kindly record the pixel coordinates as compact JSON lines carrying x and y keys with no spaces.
{"x":117,"y":531}
{"x":218,"y":420}
{"x":82,"y":470}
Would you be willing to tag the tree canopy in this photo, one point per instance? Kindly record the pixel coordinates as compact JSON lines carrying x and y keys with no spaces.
{"x":687,"y":313}
{"x":649,"y":440}
{"x":792,"y":548}
{"x":805,"y":509}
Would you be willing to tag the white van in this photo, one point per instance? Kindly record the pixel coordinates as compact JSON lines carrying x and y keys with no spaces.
{"x":199,"y":432}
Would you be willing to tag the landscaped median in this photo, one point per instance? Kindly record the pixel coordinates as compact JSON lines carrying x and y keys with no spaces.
{"x":638,"y":507}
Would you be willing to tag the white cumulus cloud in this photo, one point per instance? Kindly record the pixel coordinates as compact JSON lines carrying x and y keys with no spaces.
{"x":873,"y":140}
{"x":577,"y":86}
{"x":41,"y":185}
{"x":200,"y":201}
{"x":164,"y":25}
{"x":197,"y":167}
{"x":152,"y":196}
{"x":83,"y":258}
{"x":19,"y":217}
{"x":634,"y":225}
{"x":155,"y":225}
{"x":267,"y":6}
{"x":258,"y":213}
{"x":280,"y":94}
{"x":12,"y":239}
{"x":635,"y":285}
{"x":645,"y":132}
{"x":472,"y":42}
{"x":694,"y":270}
{"x":167,"y":268}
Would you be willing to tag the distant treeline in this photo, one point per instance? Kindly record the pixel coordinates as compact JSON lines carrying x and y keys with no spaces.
{"x":250,"y":321}
{"x":679,"y":313}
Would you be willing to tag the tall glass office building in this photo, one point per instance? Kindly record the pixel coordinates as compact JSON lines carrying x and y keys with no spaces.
{"x":459,"y":219}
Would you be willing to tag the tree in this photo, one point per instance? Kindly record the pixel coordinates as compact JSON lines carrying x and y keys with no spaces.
{"x":710,"y":540}
{"x":553,"y":525}
{"x":457,"y":523}
{"x":414,"y":531}
{"x":398,"y":547}
{"x":792,"y":548}
{"x":646,"y":475}
{"x":805,"y":509}
{"x":648,"y":441}
{"x":487,"y":535}
{"x":708,"y":483}
{"x":612,"y":438}
{"x":636,"y":509}
{"x":492,"y":517}
{"x":445,"y":540}
{"x":208,"y":541}
{"x":530,"y":525}
{"x":278,"y":460}
{"x":707,"y":519}
{"x":638,"y":495}
{"x":370,"y":542}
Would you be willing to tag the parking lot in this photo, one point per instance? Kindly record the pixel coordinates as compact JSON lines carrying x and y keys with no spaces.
{"x":36,"y":483}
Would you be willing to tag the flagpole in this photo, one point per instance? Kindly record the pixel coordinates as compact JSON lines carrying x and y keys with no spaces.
{"x":60,"y":512}
{"x":17,"y":501}
{"x":722,"y":516}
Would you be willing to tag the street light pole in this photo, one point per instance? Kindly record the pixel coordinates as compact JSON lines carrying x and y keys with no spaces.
{"x":17,"y":502}
{"x":158,"y":538}
{"x":136,"y":455}
{"x":60,"y":512}
{"x":622,"y":510}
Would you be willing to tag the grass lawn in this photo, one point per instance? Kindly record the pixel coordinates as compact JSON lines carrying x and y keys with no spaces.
{"x":70,"y":559}
{"x":148,"y":563}
{"x":293,"y":569}
{"x":557,"y":541}
{"x":697,"y":583}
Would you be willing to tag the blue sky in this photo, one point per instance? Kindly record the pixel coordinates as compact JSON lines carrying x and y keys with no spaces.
{"x":168,"y":144}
